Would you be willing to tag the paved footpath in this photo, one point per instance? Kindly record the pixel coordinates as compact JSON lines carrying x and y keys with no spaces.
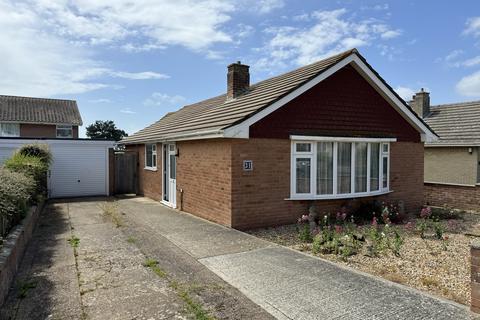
{"x":286,"y":283}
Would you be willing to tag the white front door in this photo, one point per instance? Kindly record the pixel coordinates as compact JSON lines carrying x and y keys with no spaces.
{"x":170,"y":174}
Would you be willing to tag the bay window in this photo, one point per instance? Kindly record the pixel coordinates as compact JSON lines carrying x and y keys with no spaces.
{"x":325,"y":168}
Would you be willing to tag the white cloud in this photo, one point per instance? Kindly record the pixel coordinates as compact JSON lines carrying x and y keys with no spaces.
{"x":472,"y":62}
{"x":405,"y":92}
{"x":194,"y":24}
{"x":100,"y":100}
{"x":329,"y":32}
{"x":265,"y":6}
{"x":470,"y":85}
{"x":138,"y":75}
{"x":453,"y":60}
{"x":37,"y":62}
{"x":127,"y":111}
{"x":473,"y":27}
{"x":162,"y":99}
{"x":390,"y":34}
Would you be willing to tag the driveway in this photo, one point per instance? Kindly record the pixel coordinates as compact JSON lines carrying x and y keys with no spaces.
{"x":286,"y":283}
{"x":137,"y":259}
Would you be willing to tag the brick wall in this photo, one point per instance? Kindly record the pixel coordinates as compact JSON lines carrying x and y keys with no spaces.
{"x":258,"y":196}
{"x":42,"y":131}
{"x":149,"y":182}
{"x":204,"y":176}
{"x":459,"y":197}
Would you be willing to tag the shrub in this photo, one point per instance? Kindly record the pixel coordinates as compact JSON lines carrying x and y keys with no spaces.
{"x":37,"y":150}
{"x":31,"y":166}
{"x":16,"y":191}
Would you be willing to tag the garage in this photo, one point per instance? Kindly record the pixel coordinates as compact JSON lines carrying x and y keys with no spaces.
{"x":79,"y":168}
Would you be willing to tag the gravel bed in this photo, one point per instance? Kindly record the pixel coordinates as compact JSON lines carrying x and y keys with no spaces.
{"x":425,"y":264}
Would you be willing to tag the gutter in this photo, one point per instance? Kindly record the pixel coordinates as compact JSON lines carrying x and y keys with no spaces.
{"x":209,"y":134}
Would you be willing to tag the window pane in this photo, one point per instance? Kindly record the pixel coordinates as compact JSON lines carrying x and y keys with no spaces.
{"x":374,"y":166}
{"x":325,"y":168}
{"x":148,"y":155}
{"x":360,"y":167}
{"x":303,"y":175}
{"x":9,"y":130}
{"x":385,"y":172}
{"x":344,"y":167}
{"x":303,"y":147}
{"x":173,"y":168}
{"x":385,"y":147}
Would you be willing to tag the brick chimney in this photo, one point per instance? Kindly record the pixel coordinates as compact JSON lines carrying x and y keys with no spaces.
{"x":238,"y":80}
{"x":420,"y":103}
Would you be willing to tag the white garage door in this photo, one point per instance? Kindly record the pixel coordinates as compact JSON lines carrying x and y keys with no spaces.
{"x":77,"y":170}
{"x":79,"y":167}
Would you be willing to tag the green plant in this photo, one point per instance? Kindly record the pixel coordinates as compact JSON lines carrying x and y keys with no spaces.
{"x":74,"y":241}
{"x":153,"y":265}
{"x":439,"y":229}
{"x":30,"y":166}
{"x":16,"y":192}
{"x":24,"y":287}
{"x":131,"y":240}
{"x":304,"y":233}
{"x":111,"y":209}
{"x":37,"y":150}
{"x":422,"y":227}
{"x":397,"y":242}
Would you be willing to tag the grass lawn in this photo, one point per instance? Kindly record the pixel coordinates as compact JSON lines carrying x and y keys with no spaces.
{"x":438,"y":266}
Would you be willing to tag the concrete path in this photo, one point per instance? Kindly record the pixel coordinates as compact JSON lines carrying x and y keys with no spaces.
{"x":286,"y":283}
{"x":99,"y":277}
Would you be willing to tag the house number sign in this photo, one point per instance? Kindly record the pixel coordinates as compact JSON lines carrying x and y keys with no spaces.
{"x":247,"y":165}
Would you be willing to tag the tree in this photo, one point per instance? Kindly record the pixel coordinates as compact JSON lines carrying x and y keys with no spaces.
{"x":105,"y":130}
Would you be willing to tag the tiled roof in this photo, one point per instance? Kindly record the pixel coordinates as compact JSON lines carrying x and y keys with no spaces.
{"x":217,"y":113}
{"x":456,"y":124}
{"x":39,"y":110}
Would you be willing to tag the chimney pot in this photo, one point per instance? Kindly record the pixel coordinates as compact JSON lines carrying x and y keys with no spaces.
{"x":238,"y":80}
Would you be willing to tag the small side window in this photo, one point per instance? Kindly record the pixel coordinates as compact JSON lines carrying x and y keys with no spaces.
{"x":64,"y":131}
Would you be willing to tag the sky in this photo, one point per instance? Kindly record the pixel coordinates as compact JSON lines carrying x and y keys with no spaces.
{"x":133,"y":61}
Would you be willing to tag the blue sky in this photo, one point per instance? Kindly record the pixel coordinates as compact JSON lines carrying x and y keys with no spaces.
{"x":133,"y":61}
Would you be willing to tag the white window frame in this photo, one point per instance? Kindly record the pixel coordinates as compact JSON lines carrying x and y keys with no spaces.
{"x":312,"y":155}
{"x":10,"y":135}
{"x":154,"y":153}
{"x":64,"y":127}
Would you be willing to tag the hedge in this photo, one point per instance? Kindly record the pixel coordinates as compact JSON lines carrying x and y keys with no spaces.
{"x":23,"y":180}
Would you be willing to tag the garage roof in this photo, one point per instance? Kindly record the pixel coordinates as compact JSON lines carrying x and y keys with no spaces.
{"x":39,"y":110}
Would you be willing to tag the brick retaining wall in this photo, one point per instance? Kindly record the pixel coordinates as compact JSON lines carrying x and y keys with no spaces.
{"x":11,"y":253}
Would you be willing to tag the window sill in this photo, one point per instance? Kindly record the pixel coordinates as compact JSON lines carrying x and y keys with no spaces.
{"x":339,"y":196}
{"x":150,"y":168}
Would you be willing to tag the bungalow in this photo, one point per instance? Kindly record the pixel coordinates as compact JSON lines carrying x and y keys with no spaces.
{"x":452,"y":163}
{"x":261,"y":154}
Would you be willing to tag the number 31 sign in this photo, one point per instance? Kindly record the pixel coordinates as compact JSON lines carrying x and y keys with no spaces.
{"x":247,"y":165}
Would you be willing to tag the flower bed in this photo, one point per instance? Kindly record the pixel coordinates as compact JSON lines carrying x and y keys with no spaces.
{"x":430,"y":253}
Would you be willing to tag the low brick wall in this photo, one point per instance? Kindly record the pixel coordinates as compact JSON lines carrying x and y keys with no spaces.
{"x":11,"y":253}
{"x":458,"y":197}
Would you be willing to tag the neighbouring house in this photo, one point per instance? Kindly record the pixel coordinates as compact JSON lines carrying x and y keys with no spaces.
{"x":261,"y":154}
{"x":452,"y":163}
{"x":28,"y":117}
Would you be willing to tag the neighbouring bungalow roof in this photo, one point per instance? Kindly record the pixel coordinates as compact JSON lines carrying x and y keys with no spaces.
{"x":213,"y":115}
{"x":39,"y":110}
{"x":457,"y":124}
